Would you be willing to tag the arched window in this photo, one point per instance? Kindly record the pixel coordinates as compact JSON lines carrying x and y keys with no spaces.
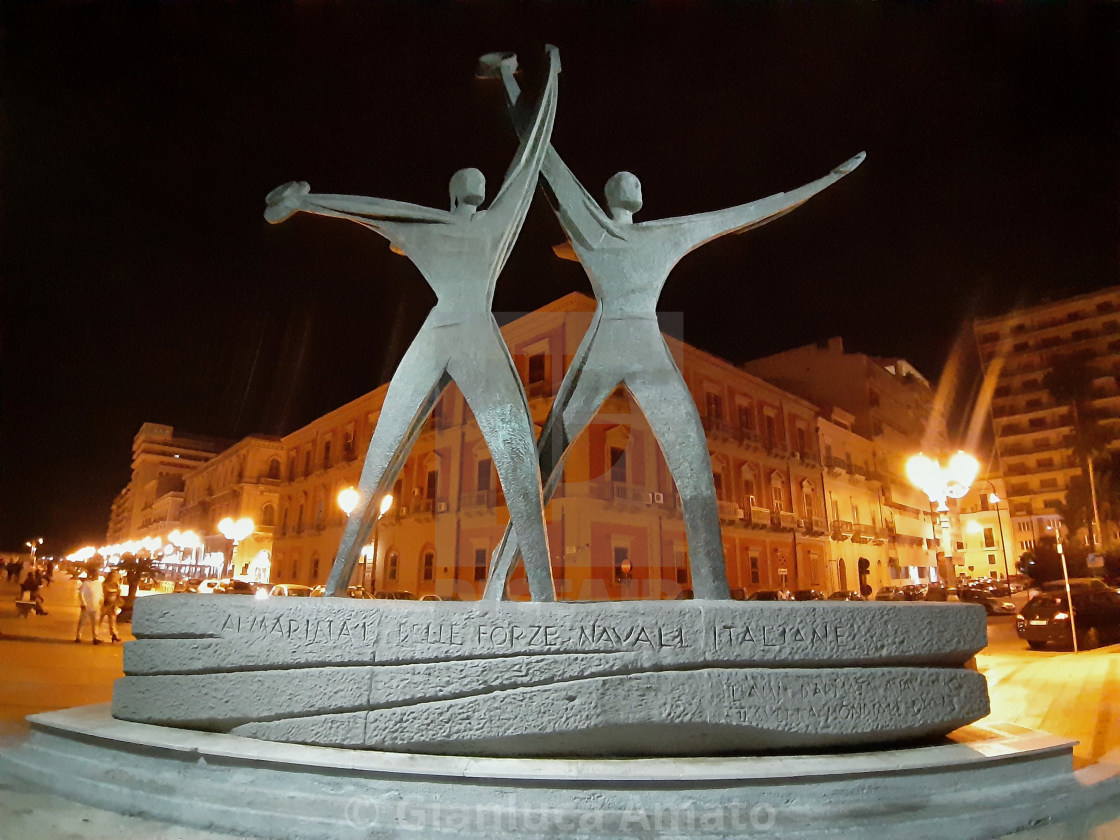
{"x":268,"y":515}
{"x":778,"y":491}
{"x":429,"y":565}
{"x":274,"y":468}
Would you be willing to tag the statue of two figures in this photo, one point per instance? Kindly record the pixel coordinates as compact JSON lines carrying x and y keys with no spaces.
{"x":461,"y":252}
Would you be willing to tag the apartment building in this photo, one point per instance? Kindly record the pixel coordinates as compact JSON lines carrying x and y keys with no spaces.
{"x":875,"y":413}
{"x":151,"y":502}
{"x":1033,"y":433}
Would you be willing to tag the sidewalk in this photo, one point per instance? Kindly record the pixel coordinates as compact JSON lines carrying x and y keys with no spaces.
{"x":1075,"y":696}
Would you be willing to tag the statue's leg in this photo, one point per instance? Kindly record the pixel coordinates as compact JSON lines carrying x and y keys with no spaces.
{"x":565,"y":422}
{"x":413,"y":392}
{"x":491,"y":388}
{"x":664,"y":398}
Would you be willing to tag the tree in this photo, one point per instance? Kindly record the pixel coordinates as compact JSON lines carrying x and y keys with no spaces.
{"x":1044,"y":563}
{"x":134,"y":567}
{"x":1070,"y":382}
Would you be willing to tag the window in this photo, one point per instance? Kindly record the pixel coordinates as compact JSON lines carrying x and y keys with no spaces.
{"x":429,"y":565}
{"x":315,"y":568}
{"x":291,"y":468}
{"x":1045,"y":462}
{"x":295,"y":568}
{"x":482,"y":474}
{"x":756,"y":573}
{"x":326,"y":454}
{"x":392,"y":566}
{"x":268,"y":515}
{"x":480,"y":564}
{"x":348,"y":444}
{"x":618,"y":464}
{"x":1048,"y":483}
{"x":432,"y":485}
{"x":802,"y":439}
{"x":873,"y":399}
{"x":621,"y":562}
{"x":717,"y":480}
{"x":771,"y":430}
{"x":284,"y":523}
{"x":307,"y":462}
{"x":991,"y":559}
{"x":274,"y":469}
{"x":299,"y":520}
{"x":714,"y":405}
{"x":778,"y":494}
{"x":746,"y":418}
{"x":536,"y":368}
{"x":319,"y":515}
{"x":989,"y":538}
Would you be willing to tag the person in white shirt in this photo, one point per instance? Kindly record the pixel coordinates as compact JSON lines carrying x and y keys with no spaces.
{"x":90,"y":596}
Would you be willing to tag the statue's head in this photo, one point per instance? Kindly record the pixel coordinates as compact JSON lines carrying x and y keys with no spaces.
{"x":624,"y":192}
{"x":468,"y":190}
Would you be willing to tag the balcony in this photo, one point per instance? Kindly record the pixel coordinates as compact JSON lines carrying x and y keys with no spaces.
{"x":783,"y":520}
{"x":835,"y":466}
{"x":841,"y":529}
{"x":479,"y":499}
{"x":619,"y":491}
{"x":718,"y":428}
{"x":729,"y":511}
{"x":817,"y":525}
{"x":760,"y":518}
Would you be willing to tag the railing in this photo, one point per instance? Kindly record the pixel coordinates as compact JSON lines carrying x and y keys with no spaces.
{"x":760,"y":517}
{"x":479,"y":499}
{"x":729,"y":511}
{"x":717,"y":426}
{"x":783,"y":520}
{"x":618,"y":491}
{"x":818,"y":525}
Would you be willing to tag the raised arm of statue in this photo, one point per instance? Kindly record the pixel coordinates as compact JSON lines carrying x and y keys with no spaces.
{"x":296,"y":196}
{"x":695,"y":230}
{"x":582,"y":217}
{"x":512,"y":201}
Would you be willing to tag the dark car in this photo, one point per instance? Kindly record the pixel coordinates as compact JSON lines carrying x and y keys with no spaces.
{"x":992,"y":604}
{"x":808,"y":595}
{"x":845,"y":595}
{"x":1045,"y":618}
{"x":236,"y":586}
{"x":394,"y":595}
{"x":914,"y":592}
{"x":890,"y":593}
{"x":767,"y":595}
{"x":936,"y":592}
{"x":1090,"y":584}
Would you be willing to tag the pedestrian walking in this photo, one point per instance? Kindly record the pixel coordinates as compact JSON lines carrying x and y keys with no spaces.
{"x":89,"y":595}
{"x":110,"y":602}
{"x":29,"y":591}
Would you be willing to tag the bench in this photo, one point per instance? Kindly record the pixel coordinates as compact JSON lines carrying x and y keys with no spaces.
{"x":25,"y":608}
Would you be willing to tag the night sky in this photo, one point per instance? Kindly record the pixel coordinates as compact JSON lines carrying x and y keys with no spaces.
{"x":141,"y":283}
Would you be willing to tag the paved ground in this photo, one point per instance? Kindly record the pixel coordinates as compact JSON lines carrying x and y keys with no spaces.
{"x":1076,"y":696}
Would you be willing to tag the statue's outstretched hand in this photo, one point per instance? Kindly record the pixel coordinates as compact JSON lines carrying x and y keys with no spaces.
{"x":285,"y":200}
{"x":489,"y":65}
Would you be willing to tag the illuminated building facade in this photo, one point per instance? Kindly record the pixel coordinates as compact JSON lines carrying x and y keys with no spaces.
{"x":1033,"y":434}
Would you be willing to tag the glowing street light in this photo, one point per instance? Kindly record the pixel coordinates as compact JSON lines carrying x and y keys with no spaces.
{"x":348,"y":500}
{"x":236,"y":531}
{"x":34,"y":544}
{"x":941,"y":484}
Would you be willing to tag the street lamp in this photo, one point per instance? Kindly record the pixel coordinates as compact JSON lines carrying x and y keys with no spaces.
{"x":348,"y":499}
{"x":235,"y":531}
{"x":994,"y":500}
{"x":34,"y":544}
{"x":943,"y":483}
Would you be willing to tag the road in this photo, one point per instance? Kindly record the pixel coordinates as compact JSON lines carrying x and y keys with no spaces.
{"x":1073,"y":695}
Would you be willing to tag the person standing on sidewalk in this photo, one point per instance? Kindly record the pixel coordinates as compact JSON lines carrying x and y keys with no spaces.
{"x":110,"y":602}
{"x":90,"y":596}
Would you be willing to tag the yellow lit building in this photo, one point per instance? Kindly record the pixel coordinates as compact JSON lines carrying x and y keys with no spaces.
{"x":1032,"y":433}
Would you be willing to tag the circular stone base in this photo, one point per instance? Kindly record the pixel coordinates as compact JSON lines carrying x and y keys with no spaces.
{"x":984,"y":783}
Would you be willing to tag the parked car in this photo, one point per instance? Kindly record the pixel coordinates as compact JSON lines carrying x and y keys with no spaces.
{"x":936,"y":592}
{"x":845,"y":595}
{"x":992,"y":605}
{"x":768,"y":595}
{"x":207,"y":586}
{"x":1045,"y":618}
{"x":433,"y":597}
{"x":289,"y":590}
{"x":356,"y":592}
{"x":890,"y":593}
{"x":807,"y":595}
{"x":238,"y":586}
{"x":187,"y":584}
{"x":395,"y":595}
{"x":913,"y":592}
{"x":1091,"y":584}
{"x":318,"y":591}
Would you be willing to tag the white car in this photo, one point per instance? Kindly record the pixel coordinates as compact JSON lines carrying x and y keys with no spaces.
{"x":289,"y":590}
{"x":207,"y":586}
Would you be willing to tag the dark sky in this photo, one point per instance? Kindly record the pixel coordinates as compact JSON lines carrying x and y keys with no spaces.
{"x":140,"y":281}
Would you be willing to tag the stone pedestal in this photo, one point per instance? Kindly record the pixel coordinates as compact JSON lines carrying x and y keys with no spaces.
{"x":980,"y":784}
{"x":670,"y":678}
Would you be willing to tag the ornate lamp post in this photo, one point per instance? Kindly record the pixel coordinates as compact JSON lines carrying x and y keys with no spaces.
{"x":235,"y":531}
{"x":348,"y":499}
{"x":34,"y":544}
{"x":943,"y":483}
